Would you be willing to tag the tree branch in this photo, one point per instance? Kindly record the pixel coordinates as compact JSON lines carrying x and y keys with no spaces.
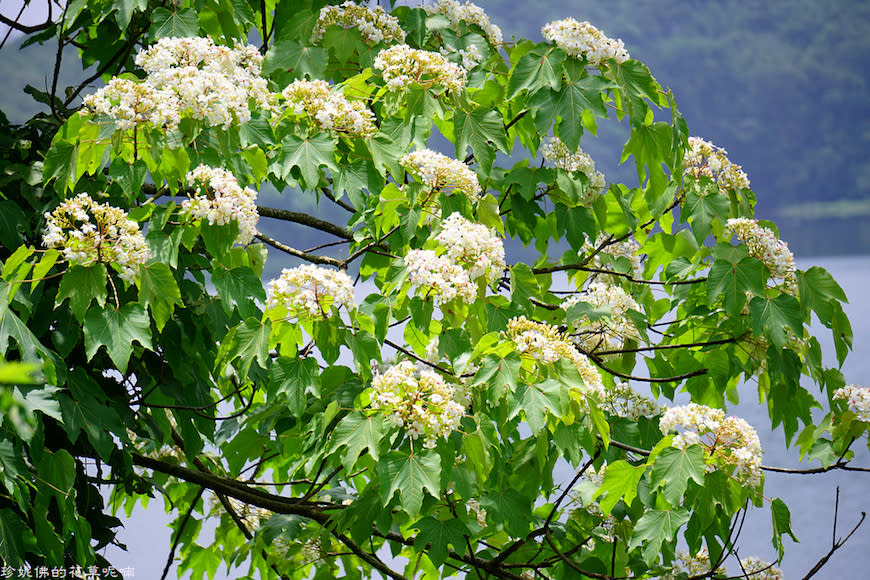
{"x":314,"y":259}
{"x":306,"y":220}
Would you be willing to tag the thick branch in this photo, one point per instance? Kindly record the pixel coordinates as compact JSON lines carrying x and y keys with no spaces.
{"x":313,"y":258}
{"x":306,"y":220}
{"x":23,"y":27}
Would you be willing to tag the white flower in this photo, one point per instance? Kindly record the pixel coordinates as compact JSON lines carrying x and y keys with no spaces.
{"x":441,"y":174}
{"x":469,"y":13}
{"x":87,"y":232}
{"x":375,"y":25}
{"x":623,"y":401}
{"x":311,"y":291}
{"x":705,"y":159}
{"x":582,"y":39}
{"x":557,"y":153}
{"x":469,"y":252}
{"x":329,"y":110}
{"x":764,"y":245}
{"x":627,"y":249}
{"x":221,"y":201}
{"x":858,"y":399}
{"x":609,"y":332}
{"x":403,"y":66}
{"x":545,"y":345}
{"x":730,"y":443}
{"x":758,"y":569}
{"x":421,"y":400}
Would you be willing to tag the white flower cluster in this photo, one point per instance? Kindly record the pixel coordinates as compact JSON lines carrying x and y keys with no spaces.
{"x":764,"y":245}
{"x":479,"y":513}
{"x":310,"y":291}
{"x":221,"y":200}
{"x":627,"y":248}
{"x":582,"y":39}
{"x":374,"y":25}
{"x":469,"y":252}
{"x":421,"y":401}
{"x":545,"y":345}
{"x":728,"y":442}
{"x":403,"y":66}
{"x":186,"y":76}
{"x":468,"y":13}
{"x":758,"y":569}
{"x":610,"y":332}
{"x":441,"y":173}
{"x":87,"y":232}
{"x":328,"y":109}
{"x":686,"y":565}
{"x":557,"y":153}
{"x":623,"y":401}
{"x":470,"y":56}
{"x":858,"y":399}
{"x":130,"y":103}
{"x":705,"y":159}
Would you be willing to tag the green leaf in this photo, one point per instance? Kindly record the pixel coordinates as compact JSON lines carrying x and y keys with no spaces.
{"x":247,"y":341}
{"x":292,"y":377}
{"x":308,"y":155}
{"x":239,"y":286}
{"x":385,"y":154}
{"x":771,"y":316}
{"x":358,"y":433}
{"x":509,"y":508}
{"x":483,"y":130}
{"x":18,"y":373}
{"x":158,"y":291}
{"x":781,"y":521}
{"x":410,"y":474}
{"x":289,"y":56}
{"x":732,"y":275}
{"x":82,"y":285}
{"x":116,"y":330}
{"x":126,"y":9}
{"x":500,"y":374}
{"x":538,"y":68}
{"x":12,"y":533}
{"x":166,"y":24}
{"x":60,"y":165}
{"x":672,"y":470}
{"x":437,"y":535}
{"x":654,"y":528}
{"x":536,"y":401}
{"x":817,"y":288}
{"x":703,"y":204}
{"x":568,"y":104}
{"x":620,"y":483}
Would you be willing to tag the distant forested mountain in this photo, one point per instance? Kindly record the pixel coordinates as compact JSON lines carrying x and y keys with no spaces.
{"x":781,"y":84}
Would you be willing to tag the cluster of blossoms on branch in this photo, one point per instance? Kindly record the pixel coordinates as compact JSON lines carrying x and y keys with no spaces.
{"x":729,"y":443}
{"x":187,"y":76}
{"x":752,"y":568}
{"x":441,"y":173}
{"x":221,"y":200}
{"x":403,"y":66}
{"x":703,"y":159}
{"x":468,"y":252}
{"x":87,"y":232}
{"x":621,"y":400}
{"x":309,"y":291}
{"x":470,"y":56}
{"x":421,"y":401}
{"x":468,"y":13}
{"x":627,"y":248}
{"x":329,"y":110}
{"x":765,"y":246}
{"x":609,"y":332}
{"x":544,"y":344}
{"x":557,"y":153}
{"x":374,"y":25}
{"x":582,"y":39}
{"x":858,"y":399}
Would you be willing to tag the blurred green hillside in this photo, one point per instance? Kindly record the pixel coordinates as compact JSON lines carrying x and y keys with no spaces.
{"x":782,"y":85}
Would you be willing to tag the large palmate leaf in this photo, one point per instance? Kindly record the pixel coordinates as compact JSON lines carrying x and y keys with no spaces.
{"x":410,"y":474}
{"x":117,"y":329}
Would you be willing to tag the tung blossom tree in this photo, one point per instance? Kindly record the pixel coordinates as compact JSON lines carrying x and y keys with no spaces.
{"x":399,"y":400}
